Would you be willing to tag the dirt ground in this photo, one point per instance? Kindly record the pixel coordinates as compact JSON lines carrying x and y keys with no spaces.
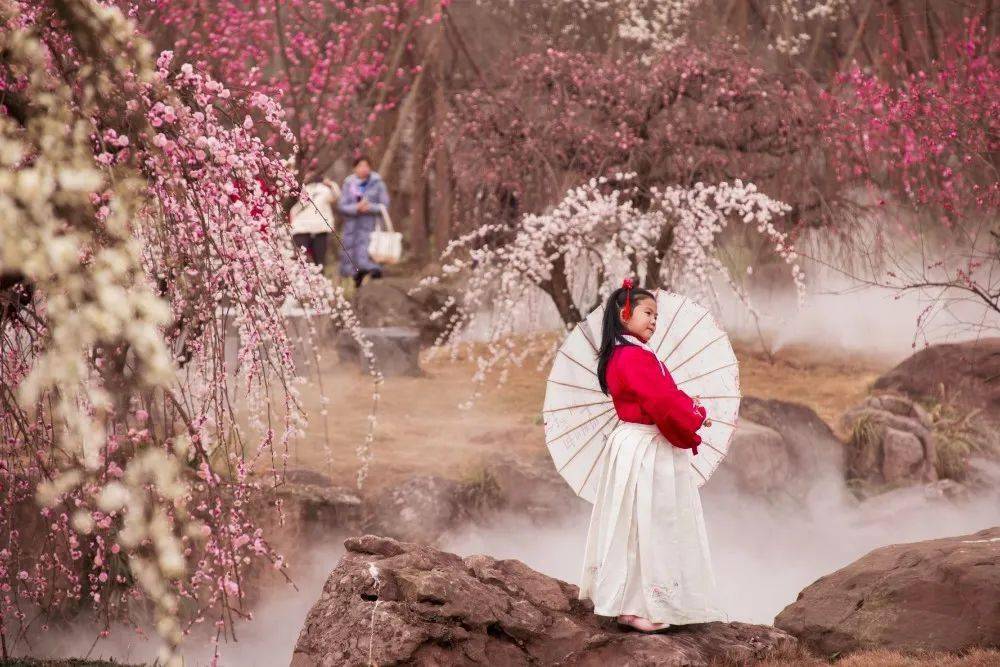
{"x":420,"y":428}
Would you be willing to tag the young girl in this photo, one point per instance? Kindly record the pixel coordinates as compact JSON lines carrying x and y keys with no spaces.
{"x":647,"y":560}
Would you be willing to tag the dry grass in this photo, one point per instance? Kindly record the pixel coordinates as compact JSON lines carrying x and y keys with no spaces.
{"x":420,"y":429}
{"x":70,"y":662}
{"x":863,"y":447}
{"x":958,"y":435}
{"x":828,"y":381}
{"x":887,"y":658}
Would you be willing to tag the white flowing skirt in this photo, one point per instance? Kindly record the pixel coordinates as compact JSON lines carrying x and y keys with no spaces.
{"x":647,"y":550}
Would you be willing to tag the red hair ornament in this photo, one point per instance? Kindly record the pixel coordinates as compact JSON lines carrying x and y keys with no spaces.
{"x":627,"y":311}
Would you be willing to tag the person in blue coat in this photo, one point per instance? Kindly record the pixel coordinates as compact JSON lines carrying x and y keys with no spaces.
{"x":361,"y":199}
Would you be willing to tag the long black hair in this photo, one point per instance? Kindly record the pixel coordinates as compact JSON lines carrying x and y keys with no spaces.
{"x":613,"y":330}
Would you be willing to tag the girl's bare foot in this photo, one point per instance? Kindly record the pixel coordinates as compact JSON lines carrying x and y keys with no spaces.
{"x":645,"y":624}
{"x":626,"y":619}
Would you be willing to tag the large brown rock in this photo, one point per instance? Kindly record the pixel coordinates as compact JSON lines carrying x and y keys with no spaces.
{"x":396,"y":350}
{"x":812,"y":445}
{"x":393,"y":302}
{"x":422,"y":508}
{"x":781,"y":449}
{"x":312,"y":504}
{"x":390,"y":603}
{"x":531,"y":488}
{"x":969,"y":372}
{"x":758,"y":459}
{"x":960,"y":384}
{"x":892,"y":442}
{"x":394,"y":318}
{"x":939,"y":595}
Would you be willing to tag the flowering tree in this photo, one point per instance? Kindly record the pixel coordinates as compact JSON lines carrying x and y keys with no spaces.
{"x":560,"y":117}
{"x":692,"y":118}
{"x":659,"y":26}
{"x":335,"y":66}
{"x":129,"y":233}
{"x":925,"y":145}
{"x":576,"y":254}
{"x":822,"y":37}
{"x":931,"y":137}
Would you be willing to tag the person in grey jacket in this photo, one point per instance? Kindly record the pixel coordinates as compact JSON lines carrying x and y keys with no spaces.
{"x":363,"y":194}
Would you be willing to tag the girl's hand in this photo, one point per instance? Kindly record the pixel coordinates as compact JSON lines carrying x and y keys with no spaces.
{"x":697,"y":402}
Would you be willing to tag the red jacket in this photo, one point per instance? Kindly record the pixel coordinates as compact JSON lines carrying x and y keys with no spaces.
{"x":643,"y":392}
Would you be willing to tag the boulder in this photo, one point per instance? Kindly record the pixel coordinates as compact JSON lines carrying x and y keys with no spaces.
{"x":938,"y":595}
{"x":812,"y":445}
{"x":535,"y":490}
{"x":422,"y":508}
{"x":959,"y":384}
{"x":780,"y":449}
{"x":393,"y":302}
{"x":891,"y":442}
{"x":968,"y":371}
{"x":396,"y":349}
{"x":312,"y":505}
{"x":758,"y":459}
{"x":425,"y":507}
{"x":390,"y":602}
{"x":307,"y":476}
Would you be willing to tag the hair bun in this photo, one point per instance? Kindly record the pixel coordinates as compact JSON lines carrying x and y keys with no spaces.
{"x":627,"y":284}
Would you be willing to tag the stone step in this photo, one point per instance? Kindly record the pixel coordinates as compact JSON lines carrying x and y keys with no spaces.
{"x":396,"y":349}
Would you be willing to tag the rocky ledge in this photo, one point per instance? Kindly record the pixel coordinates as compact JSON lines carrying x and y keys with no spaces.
{"x":937,"y":595}
{"x":390,"y":602}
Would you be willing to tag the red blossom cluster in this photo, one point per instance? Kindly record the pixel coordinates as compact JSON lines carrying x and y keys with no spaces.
{"x":337,"y":67}
{"x":928,"y":137}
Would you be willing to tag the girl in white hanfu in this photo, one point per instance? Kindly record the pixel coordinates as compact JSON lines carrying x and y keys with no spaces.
{"x":647,"y":560}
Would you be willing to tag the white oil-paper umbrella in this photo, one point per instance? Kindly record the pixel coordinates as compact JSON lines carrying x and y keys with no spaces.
{"x":579,"y":416}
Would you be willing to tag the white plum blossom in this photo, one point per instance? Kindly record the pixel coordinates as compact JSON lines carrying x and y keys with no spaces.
{"x":112,"y":254}
{"x":575,"y":254}
{"x":658,"y":26}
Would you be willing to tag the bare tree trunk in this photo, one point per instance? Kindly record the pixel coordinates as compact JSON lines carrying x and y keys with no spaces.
{"x":931,"y":36}
{"x":654,"y":263}
{"x":728,"y":13}
{"x":988,"y":21}
{"x":557,"y":287}
{"x":742,"y":19}
{"x":859,"y":37}
{"x":897,"y":14}
{"x":406,"y":113}
{"x":419,"y":211}
{"x":444,"y":195}
{"x":420,"y":239}
{"x":817,"y":34}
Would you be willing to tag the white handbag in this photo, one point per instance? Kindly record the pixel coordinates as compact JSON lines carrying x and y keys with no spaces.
{"x":386,"y":245}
